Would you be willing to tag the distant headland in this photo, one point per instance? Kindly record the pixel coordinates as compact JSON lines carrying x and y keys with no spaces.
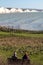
{"x":13,"y":10}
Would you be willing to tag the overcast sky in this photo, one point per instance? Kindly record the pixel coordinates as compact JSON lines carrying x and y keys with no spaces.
{"x":38,"y":4}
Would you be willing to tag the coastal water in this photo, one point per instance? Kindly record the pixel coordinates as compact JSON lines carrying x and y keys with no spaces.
{"x":26,"y":21}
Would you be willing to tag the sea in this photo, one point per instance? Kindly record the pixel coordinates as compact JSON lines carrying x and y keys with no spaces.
{"x":24,"y":21}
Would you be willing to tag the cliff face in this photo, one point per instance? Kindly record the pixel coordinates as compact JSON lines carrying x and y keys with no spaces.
{"x":12,"y":10}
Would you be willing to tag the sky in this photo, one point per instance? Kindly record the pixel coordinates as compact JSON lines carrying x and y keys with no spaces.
{"x":38,"y":4}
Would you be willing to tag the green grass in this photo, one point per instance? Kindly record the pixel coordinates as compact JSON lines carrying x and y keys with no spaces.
{"x":20,"y":34}
{"x":36,"y":58}
{"x":36,"y":55}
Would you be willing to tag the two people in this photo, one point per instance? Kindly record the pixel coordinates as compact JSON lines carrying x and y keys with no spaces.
{"x":25,"y":57}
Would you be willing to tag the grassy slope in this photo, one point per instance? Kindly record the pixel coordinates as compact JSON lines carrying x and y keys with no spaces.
{"x":36,"y":56}
{"x":20,"y":34}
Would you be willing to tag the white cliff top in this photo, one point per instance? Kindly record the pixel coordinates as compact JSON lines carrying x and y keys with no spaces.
{"x":12,"y":10}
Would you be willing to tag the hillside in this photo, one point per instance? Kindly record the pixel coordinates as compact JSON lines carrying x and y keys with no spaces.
{"x":21,"y":41}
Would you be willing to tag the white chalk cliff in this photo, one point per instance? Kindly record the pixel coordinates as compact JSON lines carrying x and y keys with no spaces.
{"x":4,"y":10}
{"x":12,"y":10}
{"x":27,"y":10}
{"x":34,"y":11}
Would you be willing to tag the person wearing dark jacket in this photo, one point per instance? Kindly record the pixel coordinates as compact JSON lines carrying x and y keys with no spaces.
{"x":25,"y":58}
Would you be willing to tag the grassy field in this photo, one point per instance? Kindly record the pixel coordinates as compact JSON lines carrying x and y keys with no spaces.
{"x":21,"y":42}
{"x":35,"y":53}
{"x":20,"y":34}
